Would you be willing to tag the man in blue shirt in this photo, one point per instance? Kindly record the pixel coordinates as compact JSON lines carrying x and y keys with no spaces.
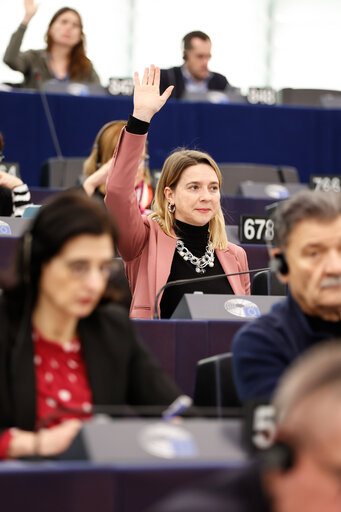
{"x":307,"y":256}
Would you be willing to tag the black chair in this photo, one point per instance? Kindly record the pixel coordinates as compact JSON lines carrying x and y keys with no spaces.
{"x":236,"y":173}
{"x":306,"y":97}
{"x":214,"y":384}
{"x":267,"y":283}
{"x":61,"y":172}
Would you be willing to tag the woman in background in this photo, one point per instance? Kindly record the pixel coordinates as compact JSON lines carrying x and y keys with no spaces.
{"x":64,"y":58}
{"x":63,"y":350}
{"x":97,"y":164}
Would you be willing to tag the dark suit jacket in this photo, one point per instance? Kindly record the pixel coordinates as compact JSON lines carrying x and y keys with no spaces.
{"x":174,"y":76}
{"x":120,"y":369}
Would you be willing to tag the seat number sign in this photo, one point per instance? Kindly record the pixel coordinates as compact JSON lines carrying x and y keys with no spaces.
{"x":326,"y":183}
{"x":255,"y":229}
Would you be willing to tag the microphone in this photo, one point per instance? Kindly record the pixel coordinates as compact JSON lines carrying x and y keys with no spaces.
{"x":5,"y":228}
{"x":179,"y":282}
{"x":48,"y":115}
{"x":180,"y":404}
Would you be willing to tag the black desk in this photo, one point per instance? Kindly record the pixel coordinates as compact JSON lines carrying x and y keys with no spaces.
{"x":87,"y":487}
{"x":307,"y":138}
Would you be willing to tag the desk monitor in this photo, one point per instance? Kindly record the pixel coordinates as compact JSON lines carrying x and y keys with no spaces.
{"x":200,"y":306}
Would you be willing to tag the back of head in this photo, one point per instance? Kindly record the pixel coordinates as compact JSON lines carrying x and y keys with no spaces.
{"x":104,"y":146}
{"x":307,"y":204}
{"x":310,"y":392}
{"x":65,"y":216}
{"x":187,"y":40}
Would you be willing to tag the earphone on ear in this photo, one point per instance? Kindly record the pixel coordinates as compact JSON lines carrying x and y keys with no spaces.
{"x":279,"y":264}
{"x":280,"y":455}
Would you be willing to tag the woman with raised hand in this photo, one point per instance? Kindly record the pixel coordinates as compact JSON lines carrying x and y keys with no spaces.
{"x":64,"y":57}
{"x":64,"y":347}
{"x":185,"y":236}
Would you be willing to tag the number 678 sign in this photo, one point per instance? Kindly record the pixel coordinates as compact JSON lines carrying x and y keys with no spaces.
{"x":255,"y":229}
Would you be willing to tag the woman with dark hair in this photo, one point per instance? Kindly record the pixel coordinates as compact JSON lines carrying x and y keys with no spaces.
{"x":64,"y":349}
{"x":185,"y":236}
{"x":97,"y":164}
{"x":64,"y":58}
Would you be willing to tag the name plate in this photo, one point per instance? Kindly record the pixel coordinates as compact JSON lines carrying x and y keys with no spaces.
{"x":325,"y":183}
{"x":121,"y":86}
{"x":255,"y":229}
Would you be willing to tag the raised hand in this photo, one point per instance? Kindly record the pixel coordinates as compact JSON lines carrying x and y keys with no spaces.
{"x":147,"y":98}
{"x":30,"y":9}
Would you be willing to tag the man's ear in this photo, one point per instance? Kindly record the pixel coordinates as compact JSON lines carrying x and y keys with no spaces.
{"x":278,"y":264}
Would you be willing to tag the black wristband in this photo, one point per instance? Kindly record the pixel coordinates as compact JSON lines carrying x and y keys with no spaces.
{"x":137,"y":126}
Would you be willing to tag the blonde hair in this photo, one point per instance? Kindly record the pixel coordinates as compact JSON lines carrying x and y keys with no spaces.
{"x":103,"y":149}
{"x":172,"y":169}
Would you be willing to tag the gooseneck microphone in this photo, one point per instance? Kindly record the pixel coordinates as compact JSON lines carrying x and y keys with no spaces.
{"x":179,"y":282}
{"x":48,"y":115}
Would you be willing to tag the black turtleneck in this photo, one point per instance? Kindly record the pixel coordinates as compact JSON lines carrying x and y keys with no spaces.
{"x":195,"y":239}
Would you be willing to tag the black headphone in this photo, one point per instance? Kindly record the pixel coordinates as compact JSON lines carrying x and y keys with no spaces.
{"x":95,"y":146}
{"x":100,"y":133}
{"x":279,"y":264}
{"x":281,"y":455}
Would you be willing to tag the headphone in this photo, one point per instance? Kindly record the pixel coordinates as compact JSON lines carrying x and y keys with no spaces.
{"x":281,"y":455}
{"x":100,"y":133}
{"x":279,"y":264}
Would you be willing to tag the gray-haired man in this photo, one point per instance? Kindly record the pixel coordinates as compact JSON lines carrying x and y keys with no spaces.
{"x":307,"y":254}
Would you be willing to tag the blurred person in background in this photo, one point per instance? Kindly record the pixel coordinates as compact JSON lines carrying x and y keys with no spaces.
{"x":301,"y":471}
{"x":65,"y":347}
{"x":64,"y":57}
{"x":97,"y":164}
{"x":193,"y":76}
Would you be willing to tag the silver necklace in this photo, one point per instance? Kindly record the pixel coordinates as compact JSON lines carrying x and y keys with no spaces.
{"x":199,"y":263}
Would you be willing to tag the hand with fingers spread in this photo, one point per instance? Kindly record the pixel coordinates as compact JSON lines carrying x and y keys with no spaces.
{"x":147,"y":98}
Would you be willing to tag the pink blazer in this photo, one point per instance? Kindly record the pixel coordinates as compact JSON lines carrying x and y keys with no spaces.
{"x":146,"y":250}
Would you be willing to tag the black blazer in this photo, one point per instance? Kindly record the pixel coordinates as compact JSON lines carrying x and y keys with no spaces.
{"x":120,"y":368}
{"x":174,"y":76}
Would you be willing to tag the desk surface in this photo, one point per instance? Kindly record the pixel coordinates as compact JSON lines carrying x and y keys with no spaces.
{"x":306,"y":138}
{"x":129,"y":486}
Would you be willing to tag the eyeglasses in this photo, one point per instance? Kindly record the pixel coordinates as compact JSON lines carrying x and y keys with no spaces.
{"x":79,"y":269}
